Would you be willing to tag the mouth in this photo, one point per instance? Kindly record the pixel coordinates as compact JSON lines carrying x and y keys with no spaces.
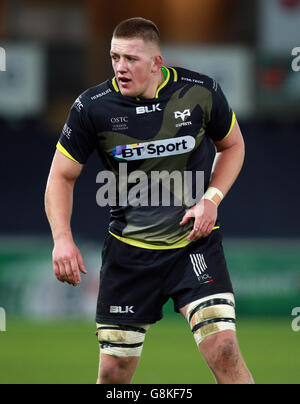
{"x":123,"y":81}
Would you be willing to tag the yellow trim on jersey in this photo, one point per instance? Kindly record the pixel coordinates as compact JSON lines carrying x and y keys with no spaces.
{"x":65,"y":153}
{"x":232,"y":125}
{"x":175,"y":74}
{"x":147,"y":246}
{"x":114,"y":83}
{"x":164,"y":83}
{"x":140,"y":244}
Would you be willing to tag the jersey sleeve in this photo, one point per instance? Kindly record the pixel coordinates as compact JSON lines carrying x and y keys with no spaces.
{"x":222,"y":117}
{"x":78,"y":137}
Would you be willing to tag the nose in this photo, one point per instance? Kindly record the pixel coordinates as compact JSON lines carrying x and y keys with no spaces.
{"x":122,"y":66}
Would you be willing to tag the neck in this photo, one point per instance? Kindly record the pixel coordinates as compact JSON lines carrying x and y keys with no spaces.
{"x":158,"y":80}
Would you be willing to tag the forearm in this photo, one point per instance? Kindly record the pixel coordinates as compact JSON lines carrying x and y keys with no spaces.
{"x":59,"y":205}
{"x":227,"y":167}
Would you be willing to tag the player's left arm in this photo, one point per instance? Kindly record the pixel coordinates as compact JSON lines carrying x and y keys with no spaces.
{"x":226,"y":168}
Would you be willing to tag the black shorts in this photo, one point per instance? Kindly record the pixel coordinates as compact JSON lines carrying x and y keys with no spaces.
{"x":135,"y":282}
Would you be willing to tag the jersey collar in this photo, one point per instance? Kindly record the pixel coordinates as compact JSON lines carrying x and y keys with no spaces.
{"x":170,"y":75}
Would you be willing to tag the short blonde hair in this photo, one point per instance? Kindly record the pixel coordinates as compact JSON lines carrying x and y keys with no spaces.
{"x":138,"y":27}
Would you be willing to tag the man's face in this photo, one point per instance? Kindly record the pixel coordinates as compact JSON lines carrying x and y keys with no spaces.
{"x":134,"y":63}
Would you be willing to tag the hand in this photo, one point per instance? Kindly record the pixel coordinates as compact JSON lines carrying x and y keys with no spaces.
{"x":205,"y":215}
{"x":67,"y":262}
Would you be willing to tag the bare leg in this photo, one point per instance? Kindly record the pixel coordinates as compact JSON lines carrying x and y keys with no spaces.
{"x":222,"y":354}
{"x":116,"y":370}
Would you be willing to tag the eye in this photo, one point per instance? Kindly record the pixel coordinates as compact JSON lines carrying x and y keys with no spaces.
{"x":114,"y":58}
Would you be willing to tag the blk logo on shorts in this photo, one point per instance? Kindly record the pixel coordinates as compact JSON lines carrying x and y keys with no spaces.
{"x":199,"y":267}
{"x":121,"y":310}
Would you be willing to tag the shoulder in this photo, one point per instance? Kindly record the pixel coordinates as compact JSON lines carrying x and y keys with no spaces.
{"x":92,"y":96}
{"x":197,"y":79}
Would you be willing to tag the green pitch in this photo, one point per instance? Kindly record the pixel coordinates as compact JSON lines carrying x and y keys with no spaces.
{"x":67,"y":352}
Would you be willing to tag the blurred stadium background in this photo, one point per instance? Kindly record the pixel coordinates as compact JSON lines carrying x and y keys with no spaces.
{"x":54,"y":51}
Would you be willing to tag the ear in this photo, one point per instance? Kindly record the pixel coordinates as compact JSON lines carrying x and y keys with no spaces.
{"x":157,"y":63}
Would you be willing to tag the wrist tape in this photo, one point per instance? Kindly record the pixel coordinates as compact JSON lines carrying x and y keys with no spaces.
{"x":214,"y":195}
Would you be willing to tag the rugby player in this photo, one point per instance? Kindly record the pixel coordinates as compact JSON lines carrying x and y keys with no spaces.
{"x":152,"y":253}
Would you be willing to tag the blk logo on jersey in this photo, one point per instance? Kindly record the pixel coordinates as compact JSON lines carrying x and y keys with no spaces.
{"x":148,"y":110}
{"x":158,"y":148}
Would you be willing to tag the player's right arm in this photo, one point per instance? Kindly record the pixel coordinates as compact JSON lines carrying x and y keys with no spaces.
{"x":77,"y":142}
{"x":67,"y":259}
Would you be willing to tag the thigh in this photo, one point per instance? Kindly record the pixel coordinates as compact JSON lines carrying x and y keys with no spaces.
{"x":131,"y":290}
{"x":202,"y":272}
{"x":211,"y":316}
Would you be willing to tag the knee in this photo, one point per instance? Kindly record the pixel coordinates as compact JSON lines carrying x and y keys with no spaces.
{"x":223,"y":355}
{"x":121,"y":347}
{"x":114,"y":371}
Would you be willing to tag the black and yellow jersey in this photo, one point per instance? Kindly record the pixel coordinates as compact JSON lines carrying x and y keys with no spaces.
{"x":170,"y":132}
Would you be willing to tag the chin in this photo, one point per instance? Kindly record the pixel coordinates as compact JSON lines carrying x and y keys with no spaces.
{"x":128,"y":93}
